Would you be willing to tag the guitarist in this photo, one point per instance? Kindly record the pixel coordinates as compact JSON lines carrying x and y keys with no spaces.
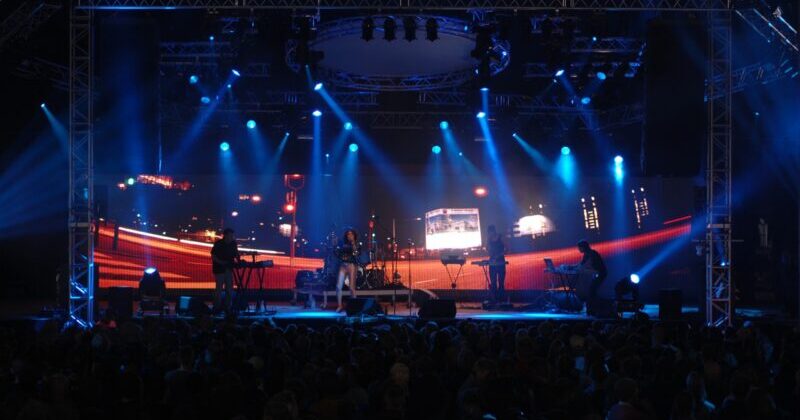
{"x":224,"y":255}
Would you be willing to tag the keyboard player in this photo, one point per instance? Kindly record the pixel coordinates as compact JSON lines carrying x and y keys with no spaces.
{"x":593,"y":262}
{"x":497,"y":264}
{"x":224,"y":255}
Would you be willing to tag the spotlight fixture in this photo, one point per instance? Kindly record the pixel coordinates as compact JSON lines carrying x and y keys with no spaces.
{"x":348,"y":126}
{"x":224,"y":146}
{"x":565,"y":150}
{"x":206,"y":100}
{"x":367,"y":29}
{"x":251,"y":124}
{"x":559,"y":72}
{"x":484,"y":89}
{"x":410,"y":28}
{"x":193,"y":79}
{"x":389,"y":29}
{"x":211,"y":38}
{"x":317,"y":113}
{"x":289,"y":208}
{"x":444,"y":125}
{"x":483,"y":42}
{"x":436,"y":149}
{"x":481,"y":115}
{"x":480,"y":192}
{"x":236,"y":72}
{"x":635,"y":278}
{"x":618,"y":160}
{"x":43,"y":106}
{"x":353,"y":147}
{"x":150,"y":271}
{"x":130,"y":181}
{"x":432,"y":29}
{"x":601,"y":75}
{"x":318,"y":86}
{"x":586,"y":100}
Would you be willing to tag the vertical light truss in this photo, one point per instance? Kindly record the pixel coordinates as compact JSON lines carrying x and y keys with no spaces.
{"x":81,"y":188}
{"x":719,"y":286}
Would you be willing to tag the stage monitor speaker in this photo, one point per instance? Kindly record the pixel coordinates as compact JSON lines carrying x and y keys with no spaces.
{"x":438,"y":309}
{"x":602,"y":308}
{"x":363,"y":306}
{"x":670,"y":303}
{"x":191,"y":305}
{"x":120,"y":302}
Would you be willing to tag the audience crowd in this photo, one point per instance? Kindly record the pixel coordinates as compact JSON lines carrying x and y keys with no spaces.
{"x":213,"y":369}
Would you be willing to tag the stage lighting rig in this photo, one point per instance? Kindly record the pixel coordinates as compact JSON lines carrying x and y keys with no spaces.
{"x":432,"y":29}
{"x":410,"y":28}
{"x":389,"y":29}
{"x":368,"y":29}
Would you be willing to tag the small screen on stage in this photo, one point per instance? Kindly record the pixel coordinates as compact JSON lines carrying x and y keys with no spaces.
{"x":452,"y":229}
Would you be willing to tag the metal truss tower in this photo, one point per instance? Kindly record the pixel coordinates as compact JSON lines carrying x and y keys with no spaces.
{"x":81,"y":169}
{"x":719,"y":286}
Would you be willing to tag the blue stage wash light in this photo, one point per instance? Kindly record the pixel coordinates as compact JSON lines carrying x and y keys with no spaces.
{"x":229,"y":86}
{"x":205,"y":100}
{"x":635,"y":278}
{"x":224,"y":146}
{"x":618,"y":160}
{"x":211,"y":38}
{"x":317,"y":113}
{"x":286,"y":134}
{"x":43,"y":105}
{"x":461,"y":153}
{"x":327,"y":155}
{"x":586,"y":100}
{"x":466,"y":28}
{"x":193,"y":79}
{"x":150,"y":270}
{"x":559,"y":72}
{"x":318,"y":86}
{"x":481,"y":114}
{"x":601,"y":75}
{"x":444,"y":125}
{"x":594,"y":39}
{"x":565,"y":150}
{"x":436,"y":149}
{"x":348,"y":126}
{"x":484,"y":89}
{"x":130,"y":181}
{"x":353,"y":147}
{"x":251,"y":124}
{"x":236,"y":72}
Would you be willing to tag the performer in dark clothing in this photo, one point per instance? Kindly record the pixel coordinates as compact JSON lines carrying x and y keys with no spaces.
{"x":224,"y":255}
{"x":347,"y":251}
{"x":497,"y":264}
{"x":592,"y":261}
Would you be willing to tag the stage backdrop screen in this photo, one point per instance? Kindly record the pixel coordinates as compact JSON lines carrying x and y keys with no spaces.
{"x":452,"y":229}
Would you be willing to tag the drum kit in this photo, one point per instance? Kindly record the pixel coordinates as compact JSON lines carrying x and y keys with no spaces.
{"x":370,"y":265}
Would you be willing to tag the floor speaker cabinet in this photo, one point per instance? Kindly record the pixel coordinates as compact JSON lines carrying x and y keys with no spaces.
{"x":602,"y":308}
{"x":363,"y":306}
{"x":191,"y":306}
{"x":120,"y":302}
{"x":670,"y":303}
{"x":438,"y":309}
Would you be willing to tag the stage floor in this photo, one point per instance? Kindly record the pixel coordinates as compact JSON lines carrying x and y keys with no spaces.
{"x":285,"y":312}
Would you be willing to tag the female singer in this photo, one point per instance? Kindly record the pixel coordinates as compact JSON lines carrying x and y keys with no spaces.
{"x":348,"y":251}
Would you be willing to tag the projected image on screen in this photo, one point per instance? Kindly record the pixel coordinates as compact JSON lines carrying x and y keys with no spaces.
{"x":452,"y":229}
